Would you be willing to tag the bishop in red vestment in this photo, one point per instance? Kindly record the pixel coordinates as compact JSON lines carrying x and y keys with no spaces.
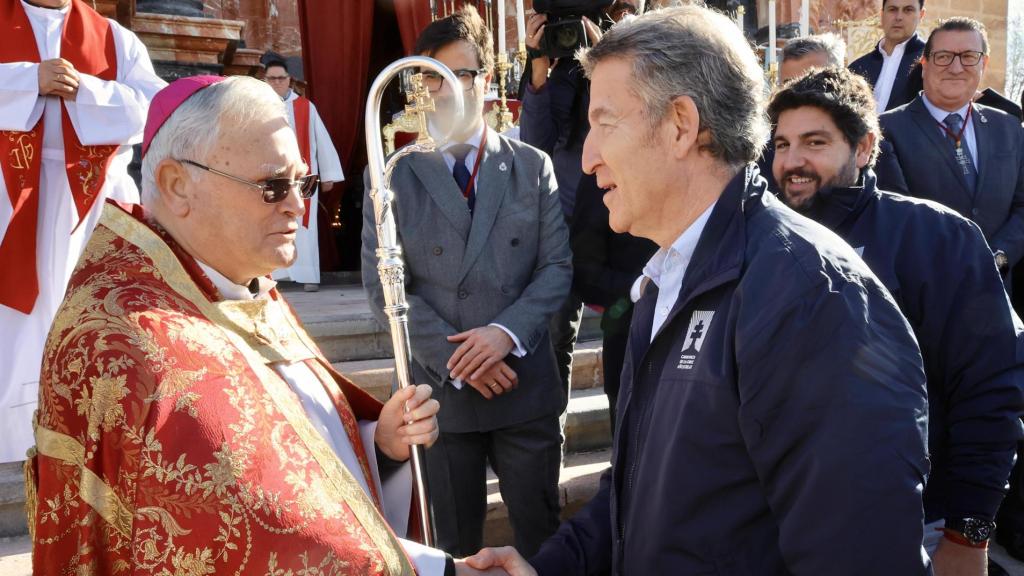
{"x":187,"y":423}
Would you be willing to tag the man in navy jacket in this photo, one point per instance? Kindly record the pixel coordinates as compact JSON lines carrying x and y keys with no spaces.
{"x":772,"y":416}
{"x":892,"y":67}
{"x":934,"y":263}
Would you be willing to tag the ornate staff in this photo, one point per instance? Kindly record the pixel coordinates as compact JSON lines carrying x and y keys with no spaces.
{"x":390,"y":266}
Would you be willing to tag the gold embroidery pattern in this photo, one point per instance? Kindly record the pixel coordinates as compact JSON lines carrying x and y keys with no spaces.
{"x":94,"y":491}
{"x":101,"y":337}
{"x":23,"y":151}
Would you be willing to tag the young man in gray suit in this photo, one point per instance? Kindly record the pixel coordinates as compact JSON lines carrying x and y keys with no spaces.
{"x":487,"y":264}
{"x":949,"y":149}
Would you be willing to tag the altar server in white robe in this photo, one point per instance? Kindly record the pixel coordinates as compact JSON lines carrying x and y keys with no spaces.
{"x":319,"y":154}
{"x":74,"y":92}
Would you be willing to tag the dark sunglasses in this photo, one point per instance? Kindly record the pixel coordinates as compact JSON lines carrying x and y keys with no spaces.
{"x":274,"y":189}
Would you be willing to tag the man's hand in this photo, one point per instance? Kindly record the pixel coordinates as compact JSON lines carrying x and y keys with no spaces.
{"x":505,"y":558}
{"x":534,"y":36}
{"x":481,"y":348}
{"x":326,"y":186}
{"x":952,"y":559}
{"x":535,"y":30}
{"x":463,"y":569}
{"x":58,"y":77}
{"x":409,"y":417}
{"x":495,"y":381}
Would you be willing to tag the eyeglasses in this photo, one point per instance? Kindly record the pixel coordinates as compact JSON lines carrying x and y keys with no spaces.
{"x":277,"y":78}
{"x":945,"y":58}
{"x":433,"y":81}
{"x":274,"y":189}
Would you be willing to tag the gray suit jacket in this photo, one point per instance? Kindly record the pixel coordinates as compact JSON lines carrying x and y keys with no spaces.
{"x":508,"y":264}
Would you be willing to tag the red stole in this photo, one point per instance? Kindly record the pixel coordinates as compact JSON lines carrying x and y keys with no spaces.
{"x":87,"y":42}
{"x":300,"y":106}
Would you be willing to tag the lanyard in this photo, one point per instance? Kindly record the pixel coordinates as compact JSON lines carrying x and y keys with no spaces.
{"x":957,"y":137}
{"x":476,"y":165}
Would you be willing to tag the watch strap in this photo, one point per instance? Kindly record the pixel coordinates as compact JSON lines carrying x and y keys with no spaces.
{"x":958,"y":538}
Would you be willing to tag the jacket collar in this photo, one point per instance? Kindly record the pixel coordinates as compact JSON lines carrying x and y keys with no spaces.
{"x":837,"y":206}
{"x":721,"y":250}
{"x":912,"y":44}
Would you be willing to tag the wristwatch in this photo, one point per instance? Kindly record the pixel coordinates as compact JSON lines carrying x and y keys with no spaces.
{"x":1001,"y":260}
{"x":974,"y":530}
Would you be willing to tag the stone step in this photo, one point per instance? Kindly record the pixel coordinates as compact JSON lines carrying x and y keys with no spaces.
{"x":12,"y":500}
{"x":339,"y":319}
{"x":577,"y":484}
{"x":376,"y":376}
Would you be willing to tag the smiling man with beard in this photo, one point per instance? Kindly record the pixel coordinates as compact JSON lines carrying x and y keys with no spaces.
{"x":935,"y":264}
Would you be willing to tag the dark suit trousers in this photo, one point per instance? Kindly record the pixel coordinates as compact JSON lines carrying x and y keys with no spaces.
{"x":526,"y":457}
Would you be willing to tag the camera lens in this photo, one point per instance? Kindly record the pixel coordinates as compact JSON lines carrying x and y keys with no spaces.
{"x":568,"y":38}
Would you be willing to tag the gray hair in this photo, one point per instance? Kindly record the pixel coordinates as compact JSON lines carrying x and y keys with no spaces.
{"x":193,"y":129}
{"x":829,"y":44}
{"x":695,"y":52}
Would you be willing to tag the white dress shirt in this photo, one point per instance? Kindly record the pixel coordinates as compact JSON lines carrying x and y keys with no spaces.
{"x":890,"y":68}
{"x":940,"y":116}
{"x":324,"y":417}
{"x":667,"y":268}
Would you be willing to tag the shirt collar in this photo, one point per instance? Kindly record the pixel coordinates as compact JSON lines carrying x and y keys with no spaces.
{"x":938,"y":113}
{"x":684,"y":247}
{"x":231,"y":291}
{"x":473,"y":141}
{"x":49,"y":13}
{"x":899,"y":49}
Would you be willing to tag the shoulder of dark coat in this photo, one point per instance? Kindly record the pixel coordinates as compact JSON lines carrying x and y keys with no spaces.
{"x":998,"y":117}
{"x":895,"y":114}
{"x":933,"y":220}
{"x":862,"y":62}
{"x":787,"y":255}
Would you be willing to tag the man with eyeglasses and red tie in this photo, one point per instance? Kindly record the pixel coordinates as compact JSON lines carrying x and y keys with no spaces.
{"x":187,"y":422}
{"x":319,"y":154}
{"x":487,"y":261}
{"x":952,"y":150}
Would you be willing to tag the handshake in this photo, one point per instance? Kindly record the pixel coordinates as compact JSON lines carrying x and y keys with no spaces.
{"x":494,"y":562}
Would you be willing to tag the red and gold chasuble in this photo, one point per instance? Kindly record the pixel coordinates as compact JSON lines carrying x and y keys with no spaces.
{"x":87,"y":42}
{"x":167,"y":444}
{"x":300,"y":108}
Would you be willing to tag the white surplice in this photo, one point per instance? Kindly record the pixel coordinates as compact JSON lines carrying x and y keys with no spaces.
{"x":325,"y":162}
{"x":105,"y":112}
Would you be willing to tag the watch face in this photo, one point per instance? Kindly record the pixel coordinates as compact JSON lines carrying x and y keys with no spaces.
{"x":977,"y":530}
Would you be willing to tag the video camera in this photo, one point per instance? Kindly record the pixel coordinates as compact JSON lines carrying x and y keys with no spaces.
{"x":564,"y":33}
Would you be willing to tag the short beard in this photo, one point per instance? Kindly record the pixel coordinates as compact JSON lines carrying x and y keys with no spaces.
{"x":845,"y":178}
